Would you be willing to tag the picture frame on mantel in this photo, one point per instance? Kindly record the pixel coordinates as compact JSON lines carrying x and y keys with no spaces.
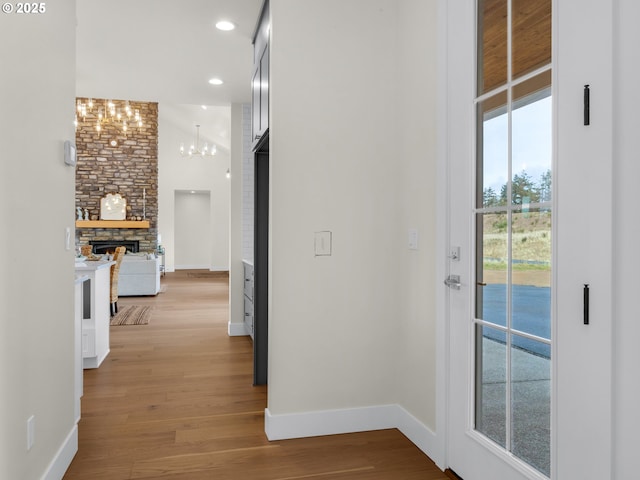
{"x":113,"y":207}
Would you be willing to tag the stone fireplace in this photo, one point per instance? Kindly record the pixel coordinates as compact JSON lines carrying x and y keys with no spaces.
{"x":109,"y":161}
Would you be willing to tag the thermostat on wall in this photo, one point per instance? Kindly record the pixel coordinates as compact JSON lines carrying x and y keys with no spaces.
{"x":69,"y":153}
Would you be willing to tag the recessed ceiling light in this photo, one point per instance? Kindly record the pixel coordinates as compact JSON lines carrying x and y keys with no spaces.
{"x":216,"y":81}
{"x":204,"y":107}
{"x":225,"y":25}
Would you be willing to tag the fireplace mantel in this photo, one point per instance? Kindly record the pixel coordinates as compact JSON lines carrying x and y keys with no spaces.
{"x":112,"y":223}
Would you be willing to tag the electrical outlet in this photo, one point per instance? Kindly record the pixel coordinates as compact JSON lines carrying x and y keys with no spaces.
{"x":31,"y":431}
{"x":413,"y":239}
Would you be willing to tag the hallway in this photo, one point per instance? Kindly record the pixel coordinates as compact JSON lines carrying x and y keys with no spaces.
{"x":174,"y":400}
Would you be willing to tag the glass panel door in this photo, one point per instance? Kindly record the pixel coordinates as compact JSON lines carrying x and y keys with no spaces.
{"x":537,"y":232}
{"x":513,"y":230}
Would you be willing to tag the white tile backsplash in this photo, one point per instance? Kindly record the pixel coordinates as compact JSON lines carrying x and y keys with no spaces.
{"x":247,"y":185}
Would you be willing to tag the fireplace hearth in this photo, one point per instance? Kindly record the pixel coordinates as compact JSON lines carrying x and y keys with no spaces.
{"x":100,"y":247}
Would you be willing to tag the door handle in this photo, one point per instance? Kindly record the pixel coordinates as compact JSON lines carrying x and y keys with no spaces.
{"x":587,"y":114}
{"x":585,"y":299}
{"x":453,"y":281}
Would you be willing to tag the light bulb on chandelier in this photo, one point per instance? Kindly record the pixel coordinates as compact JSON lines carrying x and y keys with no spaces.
{"x":195,"y":150}
{"x":121,"y":118}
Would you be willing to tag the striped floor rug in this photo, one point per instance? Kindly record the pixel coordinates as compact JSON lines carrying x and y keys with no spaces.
{"x":131,"y":315}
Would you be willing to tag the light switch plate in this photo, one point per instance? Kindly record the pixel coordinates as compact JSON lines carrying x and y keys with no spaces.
{"x":322,"y":243}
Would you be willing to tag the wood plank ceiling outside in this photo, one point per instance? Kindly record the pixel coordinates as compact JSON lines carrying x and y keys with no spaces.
{"x":531,"y":43}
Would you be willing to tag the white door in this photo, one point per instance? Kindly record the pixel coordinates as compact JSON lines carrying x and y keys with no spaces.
{"x":530,"y":227}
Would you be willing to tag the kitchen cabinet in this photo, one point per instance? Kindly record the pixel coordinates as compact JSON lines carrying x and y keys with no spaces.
{"x":95,"y":311}
{"x":260,"y":79}
{"x":257,"y":293}
{"x":77,"y":343}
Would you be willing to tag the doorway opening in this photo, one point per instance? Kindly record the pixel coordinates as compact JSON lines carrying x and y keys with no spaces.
{"x":261,"y":262}
{"x":193,"y":232}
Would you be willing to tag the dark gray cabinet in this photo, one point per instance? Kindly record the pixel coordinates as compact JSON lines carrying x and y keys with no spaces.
{"x":264,"y":91}
{"x":260,"y":79}
{"x":260,"y":147}
{"x":248,"y":298}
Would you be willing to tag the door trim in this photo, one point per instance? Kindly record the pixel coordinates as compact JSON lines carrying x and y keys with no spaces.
{"x":442,"y":241}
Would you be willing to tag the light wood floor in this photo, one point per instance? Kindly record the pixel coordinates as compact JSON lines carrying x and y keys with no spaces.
{"x":174,"y":400}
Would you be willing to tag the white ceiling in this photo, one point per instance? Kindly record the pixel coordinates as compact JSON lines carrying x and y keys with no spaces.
{"x":165,"y":50}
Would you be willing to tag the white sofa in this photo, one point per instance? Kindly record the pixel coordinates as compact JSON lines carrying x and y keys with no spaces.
{"x":139,"y":275}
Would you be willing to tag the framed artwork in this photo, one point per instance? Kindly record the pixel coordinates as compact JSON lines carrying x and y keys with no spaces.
{"x":113,"y":207}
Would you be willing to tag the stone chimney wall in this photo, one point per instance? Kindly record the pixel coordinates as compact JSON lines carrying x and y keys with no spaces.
{"x":111,"y":162}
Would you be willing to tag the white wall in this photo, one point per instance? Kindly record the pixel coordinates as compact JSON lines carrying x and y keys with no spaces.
{"x":416,"y":83}
{"x":175,"y":126}
{"x":193,"y":234}
{"x":352,"y":151}
{"x":37,"y":94}
{"x":240,"y":149}
{"x":626,"y":235}
{"x":248,"y":179}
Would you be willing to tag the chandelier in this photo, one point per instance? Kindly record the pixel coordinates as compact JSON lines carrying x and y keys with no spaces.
{"x":195,"y":150}
{"x":121,"y":116}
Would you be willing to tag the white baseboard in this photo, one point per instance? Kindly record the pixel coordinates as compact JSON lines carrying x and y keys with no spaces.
{"x":334,"y":422}
{"x":202,"y":267}
{"x":236,"y":329}
{"x":94,"y":362}
{"x":422,"y":437}
{"x":63,"y":457}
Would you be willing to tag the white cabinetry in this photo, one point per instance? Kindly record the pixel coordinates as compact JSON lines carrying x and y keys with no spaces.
{"x":77,"y":344}
{"x":95,"y":312}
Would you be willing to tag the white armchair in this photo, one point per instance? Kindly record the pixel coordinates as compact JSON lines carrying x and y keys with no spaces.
{"x":139,"y":275}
